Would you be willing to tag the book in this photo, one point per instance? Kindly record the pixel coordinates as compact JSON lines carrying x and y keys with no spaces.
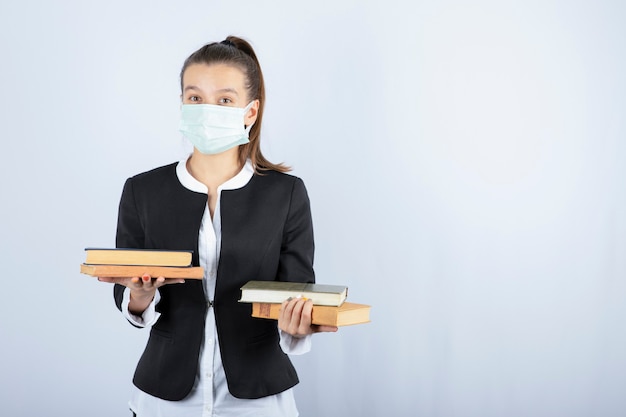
{"x":124,"y":271}
{"x":344,"y":315}
{"x":279,"y":291}
{"x":103,"y":256}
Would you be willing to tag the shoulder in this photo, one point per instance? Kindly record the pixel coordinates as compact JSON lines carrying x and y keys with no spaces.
{"x":156,"y":174}
{"x":154,"y":183}
{"x":268,"y":186}
{"x":277,"y":179}
{"x":277,"y":186}
{"x":160,"y":178}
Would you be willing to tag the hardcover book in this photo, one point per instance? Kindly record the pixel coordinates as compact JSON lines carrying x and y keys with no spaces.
{"x":103,"y":256}
{"x":279,"y":291}
{"x":126,"y":271}
{"x":344,"y":315}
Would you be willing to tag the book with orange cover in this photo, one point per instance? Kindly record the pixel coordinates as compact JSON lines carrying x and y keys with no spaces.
{"x":344,"y":315}
{"x":125,"y":271}
{"x":152,"y":257}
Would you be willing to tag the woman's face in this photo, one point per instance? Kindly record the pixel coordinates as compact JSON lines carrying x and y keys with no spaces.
{"x":219,"y":84}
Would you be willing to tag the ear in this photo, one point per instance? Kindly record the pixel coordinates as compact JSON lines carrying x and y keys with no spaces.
{"x":252,"y":114}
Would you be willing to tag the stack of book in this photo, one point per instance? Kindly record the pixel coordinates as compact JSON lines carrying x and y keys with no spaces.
{"x":102,"y":262}
{"x":330,"y":307}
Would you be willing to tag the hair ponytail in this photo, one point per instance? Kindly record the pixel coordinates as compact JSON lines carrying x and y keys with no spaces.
{"x":239,"y":53}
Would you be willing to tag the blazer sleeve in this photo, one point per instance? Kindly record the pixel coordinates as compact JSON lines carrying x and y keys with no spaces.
{"x":297,"y":249}
{"x":130,"y":232}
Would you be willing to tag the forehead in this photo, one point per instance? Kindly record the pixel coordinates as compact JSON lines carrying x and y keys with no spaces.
{"x":214,"y":76}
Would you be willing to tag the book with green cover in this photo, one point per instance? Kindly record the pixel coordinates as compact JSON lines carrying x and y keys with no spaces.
{"x":279,"y":291}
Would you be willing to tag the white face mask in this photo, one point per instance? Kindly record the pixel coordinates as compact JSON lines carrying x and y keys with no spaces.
{"x":213,"y":129}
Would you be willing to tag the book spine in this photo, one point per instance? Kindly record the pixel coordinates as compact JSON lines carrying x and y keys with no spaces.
{"x":321,"y":315}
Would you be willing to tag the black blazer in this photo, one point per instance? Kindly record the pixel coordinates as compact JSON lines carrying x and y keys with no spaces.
{"x":267,"y":234}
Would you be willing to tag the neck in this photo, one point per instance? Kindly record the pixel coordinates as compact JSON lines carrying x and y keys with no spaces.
{"x":214,"y":170}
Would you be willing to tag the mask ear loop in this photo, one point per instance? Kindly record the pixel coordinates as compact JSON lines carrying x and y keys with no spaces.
{"x":245,"y":111}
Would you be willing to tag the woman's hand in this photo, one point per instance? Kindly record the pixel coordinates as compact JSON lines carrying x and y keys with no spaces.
{"x":295,"y":318}
{"x":142,"y":289}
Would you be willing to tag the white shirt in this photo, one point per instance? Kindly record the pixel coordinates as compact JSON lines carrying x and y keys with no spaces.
{"x":210,"y":396}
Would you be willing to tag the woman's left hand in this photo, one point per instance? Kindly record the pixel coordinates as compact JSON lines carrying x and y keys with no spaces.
{"x":295,"y":318}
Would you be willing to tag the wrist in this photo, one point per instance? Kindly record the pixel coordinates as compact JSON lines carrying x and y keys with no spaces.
{"x":141,"y":295}
{"x":139,"y":302}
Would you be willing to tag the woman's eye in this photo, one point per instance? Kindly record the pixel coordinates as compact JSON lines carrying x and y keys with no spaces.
{"x":194,"y":99}
{"x":225,"y":100}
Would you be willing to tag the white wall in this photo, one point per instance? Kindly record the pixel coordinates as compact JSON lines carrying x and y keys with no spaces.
{"x":466,"y":170}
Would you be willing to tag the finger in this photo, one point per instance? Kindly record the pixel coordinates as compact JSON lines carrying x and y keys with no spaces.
{"x":145,"y":282}
{"x":160,"y":281}
{"x":282,"y":315}
{"x":305,"y":316}
{"x":298,"y":308}
{"x":287,"y":308}
{"x":286,"y":322}
{"x":297,"y":326}
{"x":148,"y":282}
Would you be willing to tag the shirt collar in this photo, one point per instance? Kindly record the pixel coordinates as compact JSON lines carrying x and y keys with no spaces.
{"x":189,"y":182}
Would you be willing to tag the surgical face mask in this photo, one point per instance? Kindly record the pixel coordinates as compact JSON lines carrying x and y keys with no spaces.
{"x":213,"y":129}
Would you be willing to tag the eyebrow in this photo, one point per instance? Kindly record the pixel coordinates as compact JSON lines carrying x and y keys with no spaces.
{"x":220,"y":91}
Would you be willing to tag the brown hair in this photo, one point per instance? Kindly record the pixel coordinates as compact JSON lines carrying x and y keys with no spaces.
{"x":239,"y":53}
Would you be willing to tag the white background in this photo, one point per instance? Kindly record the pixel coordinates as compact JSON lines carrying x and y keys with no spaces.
{"x":465,"y":163}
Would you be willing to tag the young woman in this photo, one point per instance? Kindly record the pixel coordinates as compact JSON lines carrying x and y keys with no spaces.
{"x":245,"y":219}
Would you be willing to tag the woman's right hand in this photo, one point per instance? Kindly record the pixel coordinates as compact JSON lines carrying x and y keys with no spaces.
{"x":142,"y":289}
